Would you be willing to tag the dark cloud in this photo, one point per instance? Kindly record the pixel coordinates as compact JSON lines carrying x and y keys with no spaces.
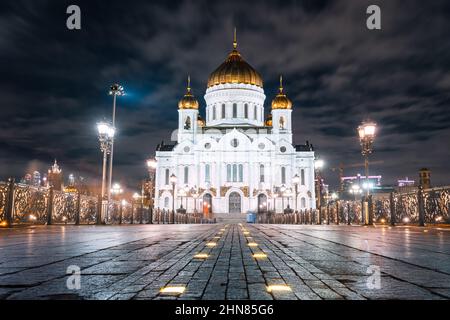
{"x":54,"y":82}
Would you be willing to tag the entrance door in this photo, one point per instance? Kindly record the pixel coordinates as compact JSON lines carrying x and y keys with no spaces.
{"x":262,"y":203}
{"x":207,"y":205}
{"x":235,"y":203}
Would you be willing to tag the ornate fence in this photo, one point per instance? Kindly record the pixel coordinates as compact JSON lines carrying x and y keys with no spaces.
{"x":427,"y":206}
{"x":25,"y":204}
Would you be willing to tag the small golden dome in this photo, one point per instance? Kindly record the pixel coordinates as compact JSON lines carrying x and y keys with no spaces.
{"x":281,"y":101}
{"x":188,"y":101}
{"x":200,"y":121}
{"x":235,"y":70}
{"x":269,"y":120}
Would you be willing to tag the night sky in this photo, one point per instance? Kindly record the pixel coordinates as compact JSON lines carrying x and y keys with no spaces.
{"x":54,"y":82}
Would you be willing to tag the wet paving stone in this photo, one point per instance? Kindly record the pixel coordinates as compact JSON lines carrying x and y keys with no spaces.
{"x":314,"y":262}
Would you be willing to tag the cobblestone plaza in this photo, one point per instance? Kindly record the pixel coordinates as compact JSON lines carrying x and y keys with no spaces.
{"x":236,"y":261}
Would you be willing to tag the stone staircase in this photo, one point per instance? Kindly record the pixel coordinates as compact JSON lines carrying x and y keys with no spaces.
{"x":230,"y":217}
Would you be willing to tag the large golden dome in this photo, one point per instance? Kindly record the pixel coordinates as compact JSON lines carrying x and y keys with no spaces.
{"x":235,"y":70}
{"x":188,"y":101}
{"x":281,"y":101}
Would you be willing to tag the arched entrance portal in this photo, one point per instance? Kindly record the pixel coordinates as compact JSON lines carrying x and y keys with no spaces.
{"x":207,"y":205}
{"x":234,"y":203}
{"x":262,"y":203}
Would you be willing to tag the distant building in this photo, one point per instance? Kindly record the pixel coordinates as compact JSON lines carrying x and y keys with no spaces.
{"x":425,"y":178}
{"x":374,"y":182}
{"x":405,"y":182}
{"x":55,"y":177}
{"x":26,"y":179}
{"x":36,"y":180}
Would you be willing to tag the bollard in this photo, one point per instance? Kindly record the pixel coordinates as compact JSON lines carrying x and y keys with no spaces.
{"x":348,"y":213}
{"x":150,"y":215}
{"x":9,"y":203}
{"x":328,"y":214}
{"x":132,"y":213}
{"x":120,"y":213}
{"x":392,"y":208}
{"x":78,"y":209}
{"x":421,"y":204}
{"x":50,"y":206}
{"x":370,"y":207}
{"x":98,"y":220}
{"x":337,"y":212}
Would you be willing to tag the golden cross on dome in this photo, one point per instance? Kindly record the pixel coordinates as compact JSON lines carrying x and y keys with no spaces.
{"x":281,"y":83}
{"x":189,"y":84}
{"x":235,"y":39}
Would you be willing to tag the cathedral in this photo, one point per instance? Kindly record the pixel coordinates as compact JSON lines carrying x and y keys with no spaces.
{"x":234,"y":159}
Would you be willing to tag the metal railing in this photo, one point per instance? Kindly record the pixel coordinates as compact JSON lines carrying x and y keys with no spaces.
{"x":26,"y":204}
{"x":429,"y":206}
{"x":168,"y":217}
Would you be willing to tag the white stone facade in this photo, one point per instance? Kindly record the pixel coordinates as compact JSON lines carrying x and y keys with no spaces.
{"x":234,"y":163}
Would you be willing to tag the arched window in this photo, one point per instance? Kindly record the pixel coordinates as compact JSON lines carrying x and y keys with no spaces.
{"x":223,"y":111}
{"x":166,"y":202}
{"x":234,"y":110}
{"x":302,"y":177}
{"x":207,"y":173}
{"x":186,"y":175}
{"x":229,"y":173}
{"x":246,"y":111}
{"x":282,"y":123}
{"x":241,"y":173}
{"x":187,"y":123}
{"x":214,"y":113}
{"x":303,"y":203}
{"x":167,"y":175}
{"x":261,"y":173}
{"x":234,"y":173}
{"x":283,"y":175}
{"x":255,"y":113}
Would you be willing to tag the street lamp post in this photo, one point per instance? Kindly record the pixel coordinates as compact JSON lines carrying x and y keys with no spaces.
{"x":136,"y":197}
{"x":152,"y":165}
{"x":187,"y":190}
{"x":282,"y":190}
{"x":105,"y":135}
{"x":116,"y":190}
{"x":123,"y":203}
{"x":318,"y":165}
{"x":296,"y":181}
{"x":335,"y":198}
{"x":195,"y":195}
{"x":288,"y":194}
{"x":355,"y":190}
{"x":366,"y":132}
{"x":115,"y":91}
{"x":173,"y":181}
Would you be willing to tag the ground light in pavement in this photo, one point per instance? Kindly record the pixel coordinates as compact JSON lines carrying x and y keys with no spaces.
{"x":278,"y":287}
{"x":252,"y":244}
{"x":173,"y":290}
{"x":211,"y":244}
{"x":201,"y":256}
{"x":259,"y":255}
